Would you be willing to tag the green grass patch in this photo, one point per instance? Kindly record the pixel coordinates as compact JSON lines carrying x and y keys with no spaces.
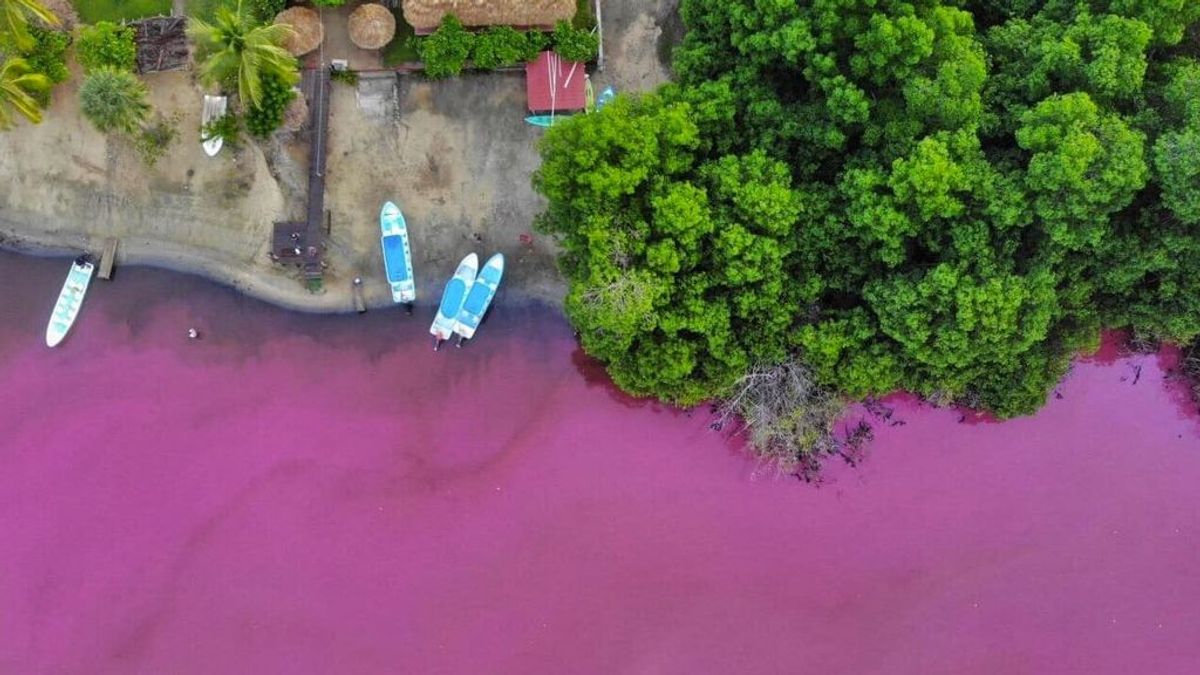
{"x":91,"y":11}
{"x":400,"y":49}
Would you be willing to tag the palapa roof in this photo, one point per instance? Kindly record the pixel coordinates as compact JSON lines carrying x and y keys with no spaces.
{"x":426,"y":15}
{"x":372,"y":26}
{"x":307,"y":31}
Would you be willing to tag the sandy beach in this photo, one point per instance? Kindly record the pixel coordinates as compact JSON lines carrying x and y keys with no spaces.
{"x":455,"y":155}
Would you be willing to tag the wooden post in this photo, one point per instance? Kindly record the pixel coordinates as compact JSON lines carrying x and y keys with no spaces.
{"x":600,"y":35}
{"x":360,"y":305}
{"x":108,"y":258}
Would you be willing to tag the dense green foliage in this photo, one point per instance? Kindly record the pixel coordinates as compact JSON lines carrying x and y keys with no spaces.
{"x":19,"y":90}
{"x":445,"y":52}
{"x":262,"y":120}
{"x":329,"y":3}
{"x":237,"y":51}
{"x":575,"y":44}
{"x":106,"y":45}
{"x":114,"y":101}
{"x":45,"y":54}
{"x":264,"y":10}
{"x":947,"y":196}
{"x":501,"y":46}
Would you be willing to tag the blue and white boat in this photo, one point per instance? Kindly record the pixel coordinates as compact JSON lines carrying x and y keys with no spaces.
{"x":453,"y":298}
{"x":480,"y":298}
{"x":69,"y":300}
{"x":397,"y":255}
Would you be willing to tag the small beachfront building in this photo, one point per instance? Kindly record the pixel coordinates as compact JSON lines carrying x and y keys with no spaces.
{"x":426,"y":15}
{"x":553,"y":85}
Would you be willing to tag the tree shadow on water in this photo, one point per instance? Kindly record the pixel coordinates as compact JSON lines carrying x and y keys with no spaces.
{"x":594,"y":375}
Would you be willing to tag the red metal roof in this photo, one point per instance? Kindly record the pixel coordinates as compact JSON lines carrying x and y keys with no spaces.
{"x":567,"y":94}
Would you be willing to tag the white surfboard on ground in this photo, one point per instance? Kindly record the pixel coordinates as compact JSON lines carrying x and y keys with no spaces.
{"x":70,"y":298}
{"x":453,"y":298}
{"x":214,"y":109}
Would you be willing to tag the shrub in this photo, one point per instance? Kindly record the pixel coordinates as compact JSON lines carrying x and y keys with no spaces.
{"x":265,"y":10}
{"x":349,"y":77}
{"x":574,"y":44}
{"x":329,"y":3}
{"x":446,"y":50}
{"x":156,"y":138}
{"x":262,"y":120}
{"x":536,"y":42}
{"x":114,"y":100}
{"x":48,"y":55}
{"x":785,"y":414}
{"x":106,"y":45}
{"x":500,"y":46}
{"x":227,"y":127}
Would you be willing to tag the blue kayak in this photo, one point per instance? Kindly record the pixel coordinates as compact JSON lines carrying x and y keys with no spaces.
{"x":480,"y":297}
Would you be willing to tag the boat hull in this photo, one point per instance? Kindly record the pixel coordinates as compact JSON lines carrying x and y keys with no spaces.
{"x":544,"y":121}
{"x":397,"y":254}
{"x":483,"y":291}
{"x":453,"y":297}
{"x":70,"y":299}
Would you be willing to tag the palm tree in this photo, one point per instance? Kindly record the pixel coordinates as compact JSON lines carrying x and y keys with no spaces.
{"x":234,"y":47}
{"x":14,"y":19}
{"x":18,"y":85}
{"x":114,"y":100}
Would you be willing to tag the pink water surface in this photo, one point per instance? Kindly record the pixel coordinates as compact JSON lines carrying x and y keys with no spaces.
{"x":325,"y":495}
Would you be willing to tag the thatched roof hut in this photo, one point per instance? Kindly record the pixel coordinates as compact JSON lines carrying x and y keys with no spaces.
{"x":307,"y":31}
{"x":425,"y":15}
{"x":372,"y":26}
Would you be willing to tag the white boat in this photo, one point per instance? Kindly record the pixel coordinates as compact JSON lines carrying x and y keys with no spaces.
{"x":69,"y":300}
{"x":453,"y":298}
{"x":479,"y":299}
{"x":397,"y":255}
{"x":214,"y":109}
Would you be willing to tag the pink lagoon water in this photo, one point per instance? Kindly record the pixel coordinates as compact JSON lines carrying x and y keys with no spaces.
{"x":297,"y":494}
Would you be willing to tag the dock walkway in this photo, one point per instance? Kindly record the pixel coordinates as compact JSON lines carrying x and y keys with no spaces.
{"x":304,"y":242}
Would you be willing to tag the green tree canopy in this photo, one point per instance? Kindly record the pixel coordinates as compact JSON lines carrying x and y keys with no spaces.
{"x":114,"y":100}
{"x":238,"y":52}
{"x":19,"y":89}
{"x":947,"y":196}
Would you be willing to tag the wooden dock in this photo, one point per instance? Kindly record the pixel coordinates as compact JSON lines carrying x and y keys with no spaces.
{"x":304,"y":242}
{"x":108,"y":258}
